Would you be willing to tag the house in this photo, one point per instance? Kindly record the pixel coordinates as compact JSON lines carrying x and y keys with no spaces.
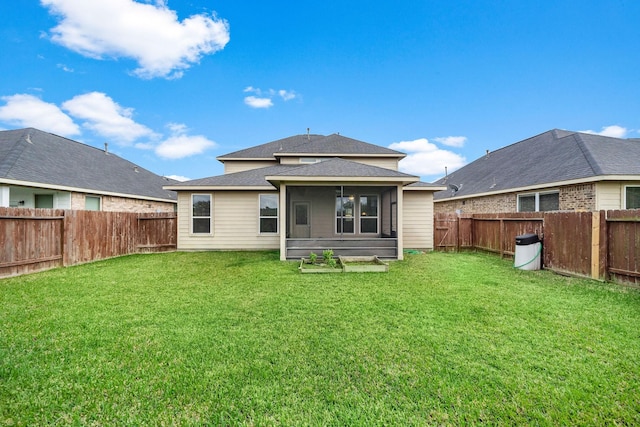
{"x":557,"y":170}
{"x":43,"y":170}
{"x":307,"y":193}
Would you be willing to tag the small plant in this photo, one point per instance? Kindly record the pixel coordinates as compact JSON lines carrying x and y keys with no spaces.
{"x":327,"y":254}
{"x":313,"y":257}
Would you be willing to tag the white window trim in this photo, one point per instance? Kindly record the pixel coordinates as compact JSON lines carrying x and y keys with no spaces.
{"x":624,"y":194}
{"x":277,"y":217}
{"x":377,"y":217}
{"x":536,"y":195}
{"x":191,"y":232}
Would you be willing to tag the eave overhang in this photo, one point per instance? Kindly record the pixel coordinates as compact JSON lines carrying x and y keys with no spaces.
{"x":83,"y":190}
{"x":542,"y":186}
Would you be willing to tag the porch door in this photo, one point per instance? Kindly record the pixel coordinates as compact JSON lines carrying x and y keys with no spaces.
{"x":301,"y":220}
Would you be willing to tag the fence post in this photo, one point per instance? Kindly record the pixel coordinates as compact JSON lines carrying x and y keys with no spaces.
{"x":599,"y":245}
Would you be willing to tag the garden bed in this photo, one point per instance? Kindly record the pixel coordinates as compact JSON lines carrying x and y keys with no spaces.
{"x":350,"y":264}
{"x":307,"y":266}
{"x":363,"y":264}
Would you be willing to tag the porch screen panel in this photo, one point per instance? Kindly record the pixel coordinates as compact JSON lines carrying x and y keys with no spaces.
{"x":345,"y":214}
{"x":369,"y":214}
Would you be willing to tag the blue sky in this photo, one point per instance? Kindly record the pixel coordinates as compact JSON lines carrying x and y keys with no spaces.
{"x":171,"y":85}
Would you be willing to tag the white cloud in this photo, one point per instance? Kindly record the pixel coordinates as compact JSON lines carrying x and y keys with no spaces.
{"x":613,"y":131}
{"x":452,"y":141}
{"x":255,"y":102}
{"x":106,"y":117}
{"x":426,"y":159}
{"x":180,"y":145}
{"x":29,"y":111}
{"x":287,"y":95}
{"x":264,"y":98}
{"x":151,"y":34}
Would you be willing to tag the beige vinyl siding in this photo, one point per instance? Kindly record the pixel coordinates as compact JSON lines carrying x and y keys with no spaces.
{"x":418,"y":219}
{"x":381,"y":162}
{"x":235,"y":223}
{"x":609,"y":195}
{"x":233,"y":166}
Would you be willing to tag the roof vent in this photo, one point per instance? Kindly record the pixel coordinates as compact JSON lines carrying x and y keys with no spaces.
{"x":135,"y":169}
{"x":106,"y":148}
{"x":454,"y":188}
{"x":308,"y":135}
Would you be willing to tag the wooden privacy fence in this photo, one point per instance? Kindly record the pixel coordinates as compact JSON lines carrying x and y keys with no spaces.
{"x":39,"y":239}
{"x":603,"y":245}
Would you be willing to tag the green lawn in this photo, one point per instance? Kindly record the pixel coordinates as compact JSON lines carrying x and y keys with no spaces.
{"x":244,"y":339}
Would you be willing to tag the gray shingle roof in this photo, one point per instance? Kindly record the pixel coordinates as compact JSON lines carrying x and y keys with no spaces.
{"x":249,"y":178}
{"x":334,"y":167}
{"x":319,"y":145}
{"x":337,"y":167}
{"x":35,"y":156}
{"x":553,"y":156}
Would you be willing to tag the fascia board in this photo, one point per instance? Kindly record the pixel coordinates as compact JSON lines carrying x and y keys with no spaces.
{"x":219,"y":188}
{"x":333,"y":179}
{"x":434,"y":188}
{"x":331,"y":155}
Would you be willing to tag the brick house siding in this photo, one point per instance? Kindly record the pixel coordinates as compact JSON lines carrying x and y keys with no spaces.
{"x":572,"y":198}
{"x":122,"y":204}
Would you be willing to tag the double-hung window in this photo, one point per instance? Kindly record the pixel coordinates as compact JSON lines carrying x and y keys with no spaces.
{"x":268,"y":213}
{"x":369,"y":214}
{"x":201,"y":213}
{"x":632,"y":197}
{"x":539,"y":202}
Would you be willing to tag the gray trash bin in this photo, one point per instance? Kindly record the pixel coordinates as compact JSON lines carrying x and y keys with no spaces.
{"x":528,"y":254}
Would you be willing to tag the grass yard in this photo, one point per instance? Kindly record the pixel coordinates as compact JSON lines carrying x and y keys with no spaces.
{"x":244,"y":339}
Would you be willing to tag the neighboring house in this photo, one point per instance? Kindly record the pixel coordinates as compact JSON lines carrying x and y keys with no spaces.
{"x":304,"y":194}
{"x":555,"y":171}
{"x":42,"y":170}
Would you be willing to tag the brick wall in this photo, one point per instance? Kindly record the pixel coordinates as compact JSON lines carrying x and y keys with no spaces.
{"x":578,"y":197}
{"x":572,"y":198}
{"x":122,"y":204}
{"x":487,"y":204}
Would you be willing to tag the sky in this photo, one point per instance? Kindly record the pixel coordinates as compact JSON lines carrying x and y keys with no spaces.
{"x":172,"y":84}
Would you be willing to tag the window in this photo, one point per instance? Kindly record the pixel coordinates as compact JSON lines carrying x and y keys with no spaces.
{"x":201,"y":213}
{"x":46,"y":201}
{"x":369,"y":214}
{"x":539,"y":202}
{"x":632,"y":197}
{"x":268,"y":213}
{"x":92,"y":203}
{"x":344,"y":214}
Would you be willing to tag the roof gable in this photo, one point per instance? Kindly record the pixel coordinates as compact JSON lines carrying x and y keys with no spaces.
{"x":312,"y":145}
{"x":553,"y":156}
{"x":33,"y":156}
